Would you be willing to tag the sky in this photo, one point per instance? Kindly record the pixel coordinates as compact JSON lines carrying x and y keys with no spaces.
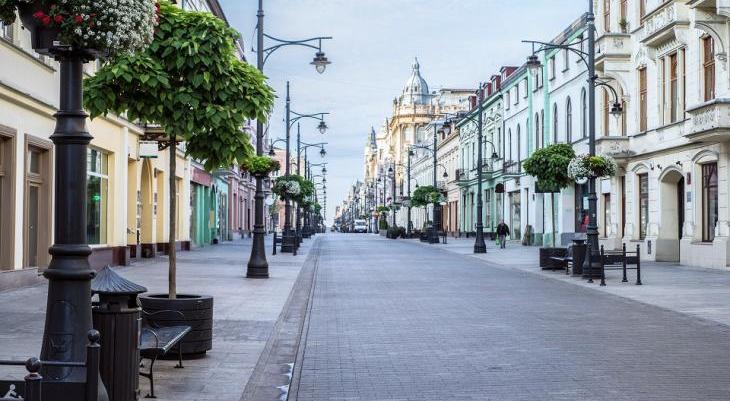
{"x":458,"y":44}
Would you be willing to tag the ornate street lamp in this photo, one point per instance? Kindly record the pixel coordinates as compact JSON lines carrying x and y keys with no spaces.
{"x":258,"y":266}
{"x":588,"y":58}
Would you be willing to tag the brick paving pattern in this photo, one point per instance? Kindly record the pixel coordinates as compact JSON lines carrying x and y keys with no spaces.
{"x":394,"y":320}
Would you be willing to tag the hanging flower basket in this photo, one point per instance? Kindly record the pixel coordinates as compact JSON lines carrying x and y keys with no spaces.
{"x":585,"y":166}
{"x":287,"y":187}
{"x":261,"y":166}
{"x":102,"y":26}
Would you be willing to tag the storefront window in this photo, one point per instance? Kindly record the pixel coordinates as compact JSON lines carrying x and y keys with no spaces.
{"x":606,"y":215}
{"x":97,"y":196}
{"x":709,"y":201}
{"x":643,"y":205}
{"x":515,"y":209}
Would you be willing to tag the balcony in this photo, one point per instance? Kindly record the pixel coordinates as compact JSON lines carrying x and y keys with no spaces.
{"x":612,"y":47}
{"x":660,"y":24}
{"x":512,"y":168}
{"x":710,"y":121}
{"x":614,"y":146}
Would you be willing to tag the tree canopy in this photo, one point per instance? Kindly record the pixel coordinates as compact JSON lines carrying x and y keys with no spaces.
{"x":191,"y":82}
{"x":550,"y":165}
{"x":425,"y":195}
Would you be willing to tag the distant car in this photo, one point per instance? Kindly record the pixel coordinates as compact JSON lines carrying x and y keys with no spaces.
{"x":360,"y":226}
{"x":332,"y":229}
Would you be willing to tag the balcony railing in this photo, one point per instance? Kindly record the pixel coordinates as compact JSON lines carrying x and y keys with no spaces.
{"x":659,"y":25}
{"x":614,"y":146}
{"x":613,"y":47}
{"x":710,"y":120}
{"x":512,"y":168}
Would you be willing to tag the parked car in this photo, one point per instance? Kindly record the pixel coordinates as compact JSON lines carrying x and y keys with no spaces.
{"x":360,"y":226}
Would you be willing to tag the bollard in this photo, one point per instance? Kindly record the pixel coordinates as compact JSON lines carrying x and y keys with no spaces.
{"x":603,"y":267}
{"x":638,"y":265}
{"x":624,"y":280}
{"x":93,"y":353}
{"x":274,"y":251}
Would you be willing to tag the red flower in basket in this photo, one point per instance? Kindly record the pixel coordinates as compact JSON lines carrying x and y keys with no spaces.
{"x":46,"y":20}
{"x":38,"y":15}
{"x":79,"y":19}
{"x":58,"y":18}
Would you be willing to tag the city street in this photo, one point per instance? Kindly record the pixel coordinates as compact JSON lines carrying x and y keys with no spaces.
{"x":399,"y":320}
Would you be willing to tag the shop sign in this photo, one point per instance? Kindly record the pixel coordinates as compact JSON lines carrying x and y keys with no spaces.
{"x":148,"y":149}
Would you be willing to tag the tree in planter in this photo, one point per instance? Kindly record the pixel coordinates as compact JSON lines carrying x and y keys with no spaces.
{"x":189,"y":81}
{"x":550,"y":166}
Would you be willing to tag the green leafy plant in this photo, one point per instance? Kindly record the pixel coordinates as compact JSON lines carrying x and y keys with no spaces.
{"x":293,"y":187}
{"x":260,"y":165}
{"x":382,"y":210}
{"x":425,"y":195}
{"x":549,"y":166}
{"x":586,"y":166}
{"x":382,"y":224}
{"x":191,"y":82}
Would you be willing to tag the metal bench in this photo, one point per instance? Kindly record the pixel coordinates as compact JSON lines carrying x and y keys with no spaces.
{"x":156,"y":341}
{"x":565,"y":261}
{"x":33,"y":386}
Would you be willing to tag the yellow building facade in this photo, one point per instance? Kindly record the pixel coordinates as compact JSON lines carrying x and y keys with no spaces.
{"x":127,"y":199}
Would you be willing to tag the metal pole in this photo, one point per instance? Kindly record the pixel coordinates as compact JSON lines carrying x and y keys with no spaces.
{"x":393,"y":187}
{"x":299,"y":144}
{"x":286,"y":238}
{"x":479,"y":245}
{"x":436,"y":217}
{"x":408,"y":180}
{"x":258,"y":266}
{"x":592,"y":230}
{"x":68,"y":308}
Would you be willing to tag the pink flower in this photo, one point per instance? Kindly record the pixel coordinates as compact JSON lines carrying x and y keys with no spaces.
{"x":46,"y":20}
{"x":58,"y":18}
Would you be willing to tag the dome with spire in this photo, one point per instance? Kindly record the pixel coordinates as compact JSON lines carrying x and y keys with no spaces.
{"x":416,"y":89}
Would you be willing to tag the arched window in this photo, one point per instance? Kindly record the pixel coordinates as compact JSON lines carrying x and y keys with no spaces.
{"x":537,"y":131}
{"x":509,"y":142}
{"x":583,"y":114}
{"x":555,"y":123}
{"x":542,"y":125}
{"x":519,"y":143}
{"x":568,"y":121}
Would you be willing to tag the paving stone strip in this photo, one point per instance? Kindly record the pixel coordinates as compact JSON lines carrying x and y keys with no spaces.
{"x":274,"y":374}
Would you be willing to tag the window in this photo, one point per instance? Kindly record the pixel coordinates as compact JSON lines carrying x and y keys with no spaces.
{"x":542,"y":125}
{"x":623,"y":15}
{"x":555,"y":123}
{"x":606,"y":113}
{"x":566,"y":60}
{"x":673,"y":88}
{"x":607,"y":15}
{"x":519,"y":143}
{"x":507,"y":103}
{"x":568,"y":122}
{"x":537,"y":131}
{"x":642,"y":100}
{"x":524,"y":87}
{"x":708,"y":57}
{"x":551,"y":67}
{"x":643,"y":204}
{"x":583,"y":114}
{"x":6,"y":31}
{"x":517,"y":94}
{"x":509,"y":143}
{"x":97,"y":196}
{"x":642,"y":8}
{"x":709,"y":201}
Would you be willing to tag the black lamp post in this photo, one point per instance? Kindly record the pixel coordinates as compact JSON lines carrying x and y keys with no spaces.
{"x":305,"y":233}
{"x":588,"y":58}
{"x":68,"y":308}
{"x":391,"y":170}
{"x":290,"y":238}
{"x":258,"y":266}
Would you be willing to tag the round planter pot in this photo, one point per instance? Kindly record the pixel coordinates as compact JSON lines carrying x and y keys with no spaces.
{"x":197,"y":313}
{"x":42,"y":38}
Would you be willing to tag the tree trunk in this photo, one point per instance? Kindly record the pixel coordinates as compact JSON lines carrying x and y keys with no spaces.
{"x":552,"y":215}
{"x":172,"y":272}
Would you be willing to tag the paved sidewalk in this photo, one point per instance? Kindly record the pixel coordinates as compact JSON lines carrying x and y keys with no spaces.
{"x":700,"y":292}
{"x":245,"y":312}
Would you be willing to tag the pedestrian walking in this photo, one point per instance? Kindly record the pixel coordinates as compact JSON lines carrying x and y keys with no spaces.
{"x":502,"y":233}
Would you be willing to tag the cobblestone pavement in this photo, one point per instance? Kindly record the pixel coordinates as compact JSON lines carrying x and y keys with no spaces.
{"x":395,"y":320}
{"x":245,"y":312}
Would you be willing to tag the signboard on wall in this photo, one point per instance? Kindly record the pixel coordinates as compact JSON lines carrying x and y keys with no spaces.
{"x":148,"y":149}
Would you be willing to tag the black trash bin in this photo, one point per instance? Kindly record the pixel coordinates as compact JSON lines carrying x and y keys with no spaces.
{"x":117,"y":317}
{"x":579,"y":256}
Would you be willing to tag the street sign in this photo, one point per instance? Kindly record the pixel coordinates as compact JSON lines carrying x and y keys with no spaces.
{"x":148,"y":149}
